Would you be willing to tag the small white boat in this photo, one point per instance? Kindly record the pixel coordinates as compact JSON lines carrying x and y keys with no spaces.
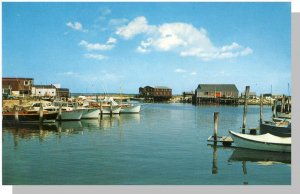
{"x":115,"y":109}
{"x":266,"y":142}
{"x":284,"y":115}
{"x":130,"y":108}
{"x":90,"y":113}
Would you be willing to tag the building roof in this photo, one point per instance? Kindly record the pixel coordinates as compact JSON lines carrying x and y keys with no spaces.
{"x":44,"y":86}
{"x":162,"y":87}
{"x":17,"y":78}
{"x":63,"y":89}
{"x":217,"y":87}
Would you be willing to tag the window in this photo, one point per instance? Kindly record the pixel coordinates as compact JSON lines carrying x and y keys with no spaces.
{"x":26,"y":83}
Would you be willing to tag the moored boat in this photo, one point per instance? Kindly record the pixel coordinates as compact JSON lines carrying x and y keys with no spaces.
{"x":266,"y":142}
{"x":280,"y":128}
{"x":90,"y":113}
{"x":130,"y":108}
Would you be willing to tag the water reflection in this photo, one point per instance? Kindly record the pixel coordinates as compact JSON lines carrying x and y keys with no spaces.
{"x":43,"y":131}
{"x":260,"y":157}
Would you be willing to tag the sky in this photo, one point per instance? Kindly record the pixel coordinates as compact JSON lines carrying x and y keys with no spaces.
{"x":119,"y":47}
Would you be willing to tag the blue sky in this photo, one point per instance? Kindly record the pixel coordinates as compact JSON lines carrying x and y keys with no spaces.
{"x":113,"y":47}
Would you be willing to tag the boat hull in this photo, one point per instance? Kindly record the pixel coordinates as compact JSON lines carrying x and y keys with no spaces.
{"x":281,"y":131}
{"x":131,"y":109}
{"x":245,"y":142}
{"x":90,"y":113}
{"x":72,"y":115}
{"x":115,"y":110}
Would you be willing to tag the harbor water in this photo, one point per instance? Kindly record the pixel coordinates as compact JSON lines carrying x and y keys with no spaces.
{"x":166,"y":144}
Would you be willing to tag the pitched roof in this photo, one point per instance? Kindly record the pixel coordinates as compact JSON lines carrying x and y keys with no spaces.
{"x":161,"y":87}
{"x":217,"y":87}
{"x":44,"y":86}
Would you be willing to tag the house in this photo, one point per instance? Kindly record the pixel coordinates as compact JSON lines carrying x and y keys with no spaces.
{"x":17,"y":86}
{"x":158,"y":93}
{"x":44,"y":90}
{"x":63,"y":93}
{"x":216,"y":94}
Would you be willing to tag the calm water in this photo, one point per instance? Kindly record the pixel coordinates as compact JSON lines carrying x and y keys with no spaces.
{"x":165,"y":144}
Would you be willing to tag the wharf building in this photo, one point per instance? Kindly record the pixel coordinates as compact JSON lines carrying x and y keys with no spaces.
{"x":216,"y":94}
{"x":24,"y":87}
{"x":155,"y":94}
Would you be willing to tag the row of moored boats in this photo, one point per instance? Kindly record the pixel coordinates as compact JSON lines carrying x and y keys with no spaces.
{"x":59,"y":110}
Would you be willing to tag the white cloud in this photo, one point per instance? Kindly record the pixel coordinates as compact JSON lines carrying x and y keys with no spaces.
{"x":137,"y":26}
{"x":96,"y":46}
{"x":76,"y":26}
{"x":111,"y":41}
{"x":181,"y":38}
{"x":180,"y":70}
{"x":95,"y":56}
{"x":194,"y":73}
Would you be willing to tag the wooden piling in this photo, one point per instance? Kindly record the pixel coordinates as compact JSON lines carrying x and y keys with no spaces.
{"x":41,"y":113}
{"x":59,"y":111}
{"x":274,"y":108}
{"x":16,"y":114}
{"x":216,"y":123}
{"x":101,"y":110}
{"x":282,"y":104}
{"x":245,"y":108}
{"x":288,"y":104}
{"x":261,"y":108}
{"x":111,"y":109}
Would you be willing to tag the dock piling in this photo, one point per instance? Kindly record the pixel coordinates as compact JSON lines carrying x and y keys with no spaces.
{"x":261,"y":109}
{"x":16,"y":114}
{"x":216,"y":123}
{"x":41,"y":113}
{"x":245,"y":108}
{"x":101,"y":110}
{"x":59,"y":112}
{"x":110,"y":112}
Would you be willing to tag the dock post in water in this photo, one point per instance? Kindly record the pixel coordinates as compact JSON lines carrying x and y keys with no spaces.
{"x":110,"y":109}
{"x":101,"y":110}
{"x":282,"y":104}
{"x":245,"y":108}
{"x":216,"y":123}
{"x":261,"y":108}
{"x":16,"y":114}
{"x":59,"y":112}
{"x":41,"y":113}
{"x":274,"y":108}
{"x":215,"y":161}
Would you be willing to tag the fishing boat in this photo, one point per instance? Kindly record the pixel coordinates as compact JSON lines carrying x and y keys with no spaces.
{"x":281,"y":128}
{"x":68,"y":111}
{"x":29,"y":116}
{"x":90,"y":113}
{"x":130,"y":108}
{"x":266,"y":142}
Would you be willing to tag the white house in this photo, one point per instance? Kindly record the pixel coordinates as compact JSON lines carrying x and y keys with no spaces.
{"x":44,"y":90}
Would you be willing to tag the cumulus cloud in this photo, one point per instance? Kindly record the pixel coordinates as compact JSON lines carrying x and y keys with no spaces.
{"x":181,"y":38}
{"x":137,"y":26}
{"x":117,"y":21}
{"x":111,"y":41}
{"x":95,"y":56}
{"x":76,"y":26}
{"x":97,"y":46}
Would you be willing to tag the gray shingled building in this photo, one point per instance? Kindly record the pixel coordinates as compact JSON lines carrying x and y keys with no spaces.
{"x":216,"y":94}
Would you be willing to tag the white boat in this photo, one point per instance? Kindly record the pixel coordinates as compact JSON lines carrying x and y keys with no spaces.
{"x":90,"y":113}
{"x":266,"y":142}
{"x":284,"y":115}
{"x":115,"y":109}
{"x":130,"y":108}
